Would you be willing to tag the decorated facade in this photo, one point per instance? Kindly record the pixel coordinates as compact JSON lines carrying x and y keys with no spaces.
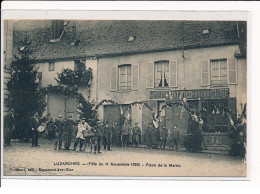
{"x":148,"y":70}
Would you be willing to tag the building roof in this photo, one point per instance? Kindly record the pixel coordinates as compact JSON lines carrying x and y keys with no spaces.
{"x":109,"y":38}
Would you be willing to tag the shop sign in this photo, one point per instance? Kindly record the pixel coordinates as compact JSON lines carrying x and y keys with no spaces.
{"x":190,"y":94}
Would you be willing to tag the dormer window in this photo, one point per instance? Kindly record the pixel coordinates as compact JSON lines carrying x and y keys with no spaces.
{"x":205,"y":31}
{"x":21,"y":48}
{"x":131,"y":38}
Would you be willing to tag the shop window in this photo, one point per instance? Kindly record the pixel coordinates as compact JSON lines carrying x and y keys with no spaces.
{"x":51,"y":66}
{"x":124,"y":75}
{"x":218,"y":72}
{"x":214,"y":116}
{"x":161,"y":74}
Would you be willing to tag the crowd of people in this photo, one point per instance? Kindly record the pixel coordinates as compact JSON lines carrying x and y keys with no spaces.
{"x":110,"y":134}
{"x":65,"y":131}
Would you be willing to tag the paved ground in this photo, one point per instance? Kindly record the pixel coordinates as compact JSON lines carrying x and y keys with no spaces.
{"x":22,"y":159}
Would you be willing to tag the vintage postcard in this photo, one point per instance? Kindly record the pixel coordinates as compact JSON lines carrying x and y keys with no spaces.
{"x":124,"y":97}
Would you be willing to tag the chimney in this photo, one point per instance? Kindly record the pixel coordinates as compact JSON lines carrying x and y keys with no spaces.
{"x":57,"y":28}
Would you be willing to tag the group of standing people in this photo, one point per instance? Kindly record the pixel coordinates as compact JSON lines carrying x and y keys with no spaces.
{"x":64,"y":131}
{"x":160,"y":136}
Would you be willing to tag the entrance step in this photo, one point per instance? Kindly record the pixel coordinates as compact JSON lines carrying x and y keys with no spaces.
{"x":216,"y":149}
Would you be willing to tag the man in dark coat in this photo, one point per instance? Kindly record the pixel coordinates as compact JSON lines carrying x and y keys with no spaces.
{"x":34,"y":123}
{"x":176,"y":137}
{"x":125,"y":135}
{"x":51,"y":129}
{"x":98,"y":137}
{"x":59,"y":132}
{"x":68,"y":132}
{"x":8,"y":128}
{"x":148,"y":135}
{"x":163,"y":137}
{"x":115,"y":133}
{"x":136,"y":135}
{"x":107,"y":136}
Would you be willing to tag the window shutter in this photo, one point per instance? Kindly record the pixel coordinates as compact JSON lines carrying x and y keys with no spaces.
{"x":205,"y":73}
{"x":150,"y":75}
{"x":135,"y":77}
{"x":113,"y":78}
{"x":232,"y":71}
{"x":173,"y":77}
{"x":232,"y":106}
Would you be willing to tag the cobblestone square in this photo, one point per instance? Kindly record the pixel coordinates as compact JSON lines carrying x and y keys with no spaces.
{"x":21,"y":159}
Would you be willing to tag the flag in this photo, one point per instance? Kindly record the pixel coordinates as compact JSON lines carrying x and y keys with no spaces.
{"x":127,"y":116}
{"x":230,"y":120}
{"x":156,"y":124}
{"x":121,"y":110}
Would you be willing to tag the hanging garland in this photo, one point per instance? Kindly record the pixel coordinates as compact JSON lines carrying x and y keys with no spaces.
{"x":60,"y":89}
{"x":111,"y":102}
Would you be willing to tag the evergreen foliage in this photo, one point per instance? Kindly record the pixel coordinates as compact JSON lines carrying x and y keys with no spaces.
{"x":74,"y":78}
{"x":24,"y":95}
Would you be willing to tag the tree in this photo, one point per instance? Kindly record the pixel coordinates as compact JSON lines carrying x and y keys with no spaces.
{"x":24,"y":95}
{"x":87,"y":110}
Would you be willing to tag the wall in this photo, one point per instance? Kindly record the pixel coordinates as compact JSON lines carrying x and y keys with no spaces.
{"x":56,"y":104}
{"x":48,"y":77}
{"x":242,"y":84}
{"x":189,"y":72}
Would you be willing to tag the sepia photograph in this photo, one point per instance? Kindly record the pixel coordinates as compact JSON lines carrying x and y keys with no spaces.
{"x":124,"y":98}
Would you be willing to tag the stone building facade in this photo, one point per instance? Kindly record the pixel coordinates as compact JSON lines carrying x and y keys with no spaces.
{"x":149,"y":61}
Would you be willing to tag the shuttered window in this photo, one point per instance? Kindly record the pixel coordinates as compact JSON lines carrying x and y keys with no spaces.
{"x":232,"y":71}
{"x":218,"y":72}
{"x":79,"y":65}
{"x":173,"y":75}
{"x":51,"y":66}
{"x":135,"y":76}
{"x":149,"y":75}
{"x":124,"y":77}
{"x":204,"y":73}
{"x":161,"y":78}
{"x":113,"y":78}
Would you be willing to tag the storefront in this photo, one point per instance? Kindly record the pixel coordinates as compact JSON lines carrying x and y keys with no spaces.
{"x":212,"y":104}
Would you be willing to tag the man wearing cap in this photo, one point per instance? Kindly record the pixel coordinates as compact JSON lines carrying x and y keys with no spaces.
{"x":107,"y":136}
{"x":163,"y":137}
{"x":68,"y":132}
{"x":59,"y":132}
{"x":136,"y":135}
{"x":98,"y":137}
{"x":34,"y":123}
{"x":176,"y":137}
{"x":125,"y":135}
{"x":8,"y":128}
